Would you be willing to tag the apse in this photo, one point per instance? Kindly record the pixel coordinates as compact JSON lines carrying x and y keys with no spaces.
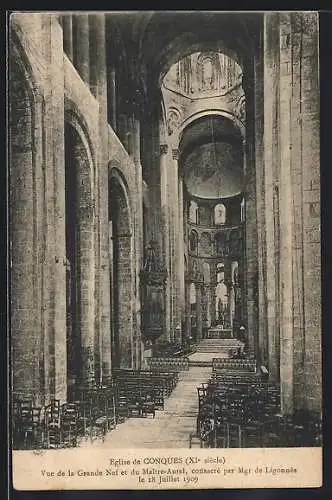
{"x":212,"y":158}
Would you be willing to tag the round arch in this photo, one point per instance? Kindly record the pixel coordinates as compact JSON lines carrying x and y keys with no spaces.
{"x":82,"y":361}
{"x":115,"y":173}
{"x":24,"y":196}
{"x":211,"y":112}
{"x":74,"y":118}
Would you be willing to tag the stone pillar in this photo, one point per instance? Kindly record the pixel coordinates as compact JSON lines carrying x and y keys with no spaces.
{"x":125,"y":289}
{"x":187,"y":312}
{"x":199,"y":323}
{"x":213,"y":304}
{"x":262,"y":351}
{"x":177,"y":247}
{"x":98,"y":86}
{"x":55,"y":287}
{"x":181,"y":250}
{"x":139,"y":251}
{"x":67,"y":27}
{"x":166,"y":229}
{"x":271,"y":208}
{"x":297,"y":144}
{"x":81,"y":46}
{"x":286,"y":219}
{"x":86,"y":263}
{"x":309,"y":122}
{"x":112,"y":96}
{"x":231,"y":302}
{"x":25,"y":334}
{"x":97,"y":57}
{"x":251,"y":275}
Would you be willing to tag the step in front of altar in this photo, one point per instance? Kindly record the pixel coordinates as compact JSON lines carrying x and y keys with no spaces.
{"x":225,"y":346}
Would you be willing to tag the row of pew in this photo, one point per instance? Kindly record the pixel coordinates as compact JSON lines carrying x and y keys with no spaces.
{"x":172,"y":350}
{"x":233,"y":364}
{"x":241,"y":410}
{"x":164,"y":364}
{"x":95,"y":410}
{"x":61,"y":425}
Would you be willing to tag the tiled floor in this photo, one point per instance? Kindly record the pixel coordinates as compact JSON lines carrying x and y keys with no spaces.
{"x":171,"y":427}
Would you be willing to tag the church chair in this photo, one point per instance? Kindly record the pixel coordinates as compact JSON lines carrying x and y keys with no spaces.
{"x":195,"y":441}
{"x":148,"y":406}
{"x":69,"y":425}
{"x":53,"y":424}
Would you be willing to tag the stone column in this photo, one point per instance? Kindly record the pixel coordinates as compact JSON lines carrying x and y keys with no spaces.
{"x":213,"y":304}
{"x":309,"y":122}
{"x":262,"y":350}
{"x":166,"y":228}
{"x":199,"y":323}
{"x":271,"y":167}
{"x":97,"y":57}
{"x":231,"y":302}
{"x":112,"y":96}
{"x":187,"y":312}
{"x":181,"y":250}
{"x":55,"y":288}
{"x":177,"y":248}
{"x":86,"y":263}
{"x":67,"y":27}
{"x":251,"y":275}
{"x":25,"y":334}
{"x":81,"y":46}
{"x":98,"y":86}
{"x":139,"y":251}
{"x":286,"y":219}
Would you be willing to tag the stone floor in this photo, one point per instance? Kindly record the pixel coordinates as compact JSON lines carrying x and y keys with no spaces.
{"x":206,"y":356}
{"x":171,"y":427}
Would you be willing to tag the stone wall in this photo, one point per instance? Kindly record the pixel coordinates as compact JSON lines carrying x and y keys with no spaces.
{"x":59,"y":95}
{"x":291,"y":148}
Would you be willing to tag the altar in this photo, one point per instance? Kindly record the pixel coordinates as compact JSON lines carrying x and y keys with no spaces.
{"x":218,"y":332}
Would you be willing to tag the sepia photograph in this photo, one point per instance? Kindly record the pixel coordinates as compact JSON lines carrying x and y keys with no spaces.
{"x":164,"y":245}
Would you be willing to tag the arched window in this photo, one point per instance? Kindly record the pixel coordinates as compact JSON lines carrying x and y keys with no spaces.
{"x":220,"y":214}
{"x":193,"y":242}
{"x":193,"y":212}
{"x":220,"y":244}
{"x":205,"y":244}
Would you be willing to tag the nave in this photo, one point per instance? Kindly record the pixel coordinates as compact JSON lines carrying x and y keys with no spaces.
{"x":164,"y":194}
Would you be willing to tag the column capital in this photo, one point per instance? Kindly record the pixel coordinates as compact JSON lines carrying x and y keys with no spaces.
{"x":163,"y":149}
{"x":175,"y":154}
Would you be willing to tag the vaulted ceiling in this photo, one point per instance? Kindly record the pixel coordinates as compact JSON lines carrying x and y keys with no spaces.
{"x":211,"y":158}
{"x":153,"y":41}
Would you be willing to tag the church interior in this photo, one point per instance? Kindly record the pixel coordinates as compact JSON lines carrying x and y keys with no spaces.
{"x":165,"y":272}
